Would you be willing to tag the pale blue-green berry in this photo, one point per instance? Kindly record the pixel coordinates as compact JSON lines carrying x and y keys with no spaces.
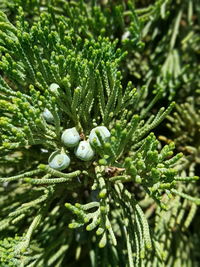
{"x":48,"y":116}
{"x":58,"y":161}
{"x":54,"y":88}
{"x":70,"y":137}
{"x":84,"y":151}
{"x":104,"y":133}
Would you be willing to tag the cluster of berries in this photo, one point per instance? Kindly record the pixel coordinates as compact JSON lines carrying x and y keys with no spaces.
{"x":70,"y":138}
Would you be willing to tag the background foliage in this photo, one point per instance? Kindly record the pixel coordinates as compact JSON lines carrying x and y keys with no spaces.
{"x":131,"y":66}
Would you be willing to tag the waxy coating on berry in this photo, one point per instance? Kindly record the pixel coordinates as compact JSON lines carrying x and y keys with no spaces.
{"x":70,"y":137}
{"x":48,"y":116}
{"x":54,"y":88}
{"x":84,"y":151}
{"x":59,"y":161}
{"x":104,"y":133}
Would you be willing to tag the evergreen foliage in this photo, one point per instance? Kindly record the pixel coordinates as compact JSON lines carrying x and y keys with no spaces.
{"x":99,"y":133}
